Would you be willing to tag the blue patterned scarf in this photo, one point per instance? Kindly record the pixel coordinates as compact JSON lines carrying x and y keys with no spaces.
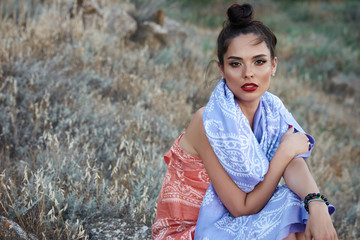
{"x":245,"y":155}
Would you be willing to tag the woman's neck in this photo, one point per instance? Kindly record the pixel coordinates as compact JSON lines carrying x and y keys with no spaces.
{"x":249,"y":110}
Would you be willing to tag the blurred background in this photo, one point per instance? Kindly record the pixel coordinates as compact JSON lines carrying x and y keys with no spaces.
{"x":93,"y":93}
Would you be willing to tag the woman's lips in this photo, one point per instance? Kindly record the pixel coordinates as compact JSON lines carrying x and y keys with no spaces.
{"x":249,"y":87}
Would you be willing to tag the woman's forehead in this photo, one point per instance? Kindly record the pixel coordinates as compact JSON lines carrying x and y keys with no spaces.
{"x":248,"y":45}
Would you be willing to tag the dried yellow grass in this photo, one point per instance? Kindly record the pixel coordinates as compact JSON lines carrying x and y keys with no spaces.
{"x":86,"y":119}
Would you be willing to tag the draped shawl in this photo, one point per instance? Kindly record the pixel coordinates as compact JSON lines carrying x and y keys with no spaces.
{"x":245,"y":155}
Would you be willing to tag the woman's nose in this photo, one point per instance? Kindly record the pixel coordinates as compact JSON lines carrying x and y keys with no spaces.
{"x":248,"y":72}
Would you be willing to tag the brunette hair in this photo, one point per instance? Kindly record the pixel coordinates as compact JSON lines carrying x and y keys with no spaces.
{"x":240,"y":21}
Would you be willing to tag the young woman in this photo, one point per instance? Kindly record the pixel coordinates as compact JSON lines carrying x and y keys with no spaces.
{"x":235,"y":150}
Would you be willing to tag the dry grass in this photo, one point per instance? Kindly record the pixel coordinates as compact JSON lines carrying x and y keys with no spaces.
{"x":86,"y":119}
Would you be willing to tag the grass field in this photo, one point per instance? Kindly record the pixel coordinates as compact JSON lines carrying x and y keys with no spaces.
{"x":86,"y":117}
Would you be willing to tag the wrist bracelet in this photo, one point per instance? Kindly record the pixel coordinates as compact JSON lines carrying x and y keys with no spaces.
{"x":314,"y":197}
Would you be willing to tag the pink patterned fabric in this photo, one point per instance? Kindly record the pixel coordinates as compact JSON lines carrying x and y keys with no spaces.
{"x":181,"y":195}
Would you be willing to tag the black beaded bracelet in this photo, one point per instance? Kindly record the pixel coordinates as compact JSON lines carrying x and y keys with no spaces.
{"x":314,"y":197}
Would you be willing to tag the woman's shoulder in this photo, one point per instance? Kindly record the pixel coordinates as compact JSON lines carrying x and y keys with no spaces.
{"x":198,"y":114}
{"x":193,"y":134}
{"x":196,"y":120}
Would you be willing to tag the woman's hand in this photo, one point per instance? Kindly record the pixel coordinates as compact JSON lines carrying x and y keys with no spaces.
{"x":319,"y":225}
{"x":294,"y":143}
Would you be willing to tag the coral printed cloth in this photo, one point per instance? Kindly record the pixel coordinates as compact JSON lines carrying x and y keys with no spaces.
{"x":181,"y":195}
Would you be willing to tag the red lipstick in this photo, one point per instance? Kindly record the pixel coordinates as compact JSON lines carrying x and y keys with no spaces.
{"x":249,"y":87}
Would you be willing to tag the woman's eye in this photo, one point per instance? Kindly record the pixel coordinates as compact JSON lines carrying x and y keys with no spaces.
{"x":260,"y":62}
{"x":235,"y":64}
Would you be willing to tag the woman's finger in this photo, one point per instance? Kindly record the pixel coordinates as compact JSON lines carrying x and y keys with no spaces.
{"x":307,"y":234}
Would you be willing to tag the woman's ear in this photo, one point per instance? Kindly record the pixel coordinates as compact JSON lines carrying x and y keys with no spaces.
{"x":221,"y":69}
{"x":274,"y":66}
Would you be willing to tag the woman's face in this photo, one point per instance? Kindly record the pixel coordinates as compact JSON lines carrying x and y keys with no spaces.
{"x":248,"y":68}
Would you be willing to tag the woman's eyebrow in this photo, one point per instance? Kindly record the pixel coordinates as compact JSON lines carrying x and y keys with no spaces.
{"x":240,"y":58}
{"x":236,"y":58}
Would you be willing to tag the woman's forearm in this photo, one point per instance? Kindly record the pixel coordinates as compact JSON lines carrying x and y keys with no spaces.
{"x":258,"y":198}
{"x":298,"y":178}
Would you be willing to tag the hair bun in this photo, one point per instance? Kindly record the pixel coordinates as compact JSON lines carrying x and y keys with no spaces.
{"x":240,"y":15}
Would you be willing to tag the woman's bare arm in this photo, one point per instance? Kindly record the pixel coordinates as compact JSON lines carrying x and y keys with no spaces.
{"x":299,"y":179}
{"x":237,"y":201}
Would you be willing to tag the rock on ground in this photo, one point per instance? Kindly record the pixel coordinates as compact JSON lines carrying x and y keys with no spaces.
{"x":117,"y":229}
{"x":12,"y":230}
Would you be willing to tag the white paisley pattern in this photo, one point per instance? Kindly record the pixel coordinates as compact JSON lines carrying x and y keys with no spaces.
{"x":246,"y":159}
